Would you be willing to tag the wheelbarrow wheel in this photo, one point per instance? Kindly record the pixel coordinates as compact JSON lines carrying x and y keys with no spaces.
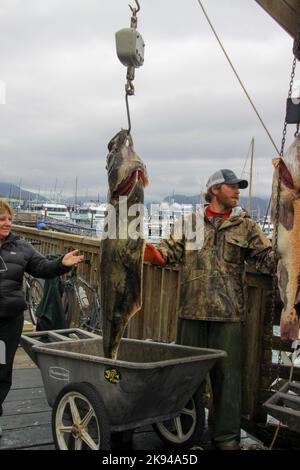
{"x":79,"y":419}
{"x":187,"y":428}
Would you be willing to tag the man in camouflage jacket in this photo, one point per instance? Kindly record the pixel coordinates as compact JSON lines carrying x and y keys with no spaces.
{"x":212,"y":297}
{"x":213,"y":278}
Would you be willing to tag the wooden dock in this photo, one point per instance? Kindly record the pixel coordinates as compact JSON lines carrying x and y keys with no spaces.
{"x":26,"y":413}
{"x":27,"y":418}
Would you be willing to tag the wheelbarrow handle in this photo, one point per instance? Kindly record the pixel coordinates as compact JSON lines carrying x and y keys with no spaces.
{"x":37,"y":338}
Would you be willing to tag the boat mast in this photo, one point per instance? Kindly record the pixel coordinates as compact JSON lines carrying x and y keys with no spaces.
{"x":250,"y":181}
{"x":54,"y":196}
{"x":76,"y":187}
{"x":20,"y":192}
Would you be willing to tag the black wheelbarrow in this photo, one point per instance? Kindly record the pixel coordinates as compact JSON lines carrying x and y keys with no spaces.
{"x":92,"y":396}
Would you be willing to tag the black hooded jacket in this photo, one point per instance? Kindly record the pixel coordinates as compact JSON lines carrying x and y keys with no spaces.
{"x":20,"y":256}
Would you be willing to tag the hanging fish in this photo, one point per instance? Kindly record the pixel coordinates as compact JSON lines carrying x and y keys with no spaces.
{"x":121,"y":267}
{"x":288,"y":270}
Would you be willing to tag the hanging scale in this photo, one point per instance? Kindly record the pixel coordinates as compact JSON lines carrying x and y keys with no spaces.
{"x":130,"y":51}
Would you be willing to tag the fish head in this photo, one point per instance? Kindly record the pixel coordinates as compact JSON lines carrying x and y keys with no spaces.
{"x":288,"y":169}
{"x":126,"y":171}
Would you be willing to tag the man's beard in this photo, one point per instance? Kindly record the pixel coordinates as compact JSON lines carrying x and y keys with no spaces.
{"x":227,"y":202}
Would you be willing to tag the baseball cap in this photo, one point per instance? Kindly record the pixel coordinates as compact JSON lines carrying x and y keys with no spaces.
{"x":225,"y":176}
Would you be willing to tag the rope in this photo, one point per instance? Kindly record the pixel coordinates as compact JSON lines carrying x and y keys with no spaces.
{"x":271,"y":139}
{"x":237,"y":76}
{"x":275,"y":436}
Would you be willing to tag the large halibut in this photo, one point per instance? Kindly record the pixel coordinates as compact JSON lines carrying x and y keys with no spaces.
{"x":288,"y":271}
{"x":122,"y":251}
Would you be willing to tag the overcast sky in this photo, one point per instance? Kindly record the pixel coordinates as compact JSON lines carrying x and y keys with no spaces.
{"x":65,"y":92}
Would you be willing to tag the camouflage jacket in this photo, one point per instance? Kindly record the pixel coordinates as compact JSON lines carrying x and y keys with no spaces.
{"x":213,"y":277}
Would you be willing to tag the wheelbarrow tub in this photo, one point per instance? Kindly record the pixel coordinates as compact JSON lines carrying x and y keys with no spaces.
{"x":148,"y":383}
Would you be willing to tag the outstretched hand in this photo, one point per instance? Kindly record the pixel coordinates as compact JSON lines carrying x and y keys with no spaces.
{"x":72,"y":258}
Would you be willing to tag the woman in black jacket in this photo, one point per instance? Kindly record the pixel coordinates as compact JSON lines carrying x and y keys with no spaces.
{"x":16,"y":257}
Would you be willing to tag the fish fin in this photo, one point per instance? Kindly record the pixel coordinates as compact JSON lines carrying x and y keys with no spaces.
{"x":286,"y":214}
{"x":297,"y":301}
{"x":286,"y":177}
{"x":289,"y":321}
{"x":276,"y":161}
{"x":289,"y":325}
{"x":282,"y":276}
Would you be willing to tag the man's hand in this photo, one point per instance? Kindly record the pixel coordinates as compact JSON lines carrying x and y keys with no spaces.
{"x":72,"y":258}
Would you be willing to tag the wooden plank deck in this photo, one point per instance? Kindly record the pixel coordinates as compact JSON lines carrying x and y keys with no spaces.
{"x":26,"y":413}
{"x":27,"y":417}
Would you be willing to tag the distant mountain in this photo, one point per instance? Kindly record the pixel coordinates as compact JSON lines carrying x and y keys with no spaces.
{"x":9,"y":190}
{"x":259,"y":205}
{"x":13,"y":191}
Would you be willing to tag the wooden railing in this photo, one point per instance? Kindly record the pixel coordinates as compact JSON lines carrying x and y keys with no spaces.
{"x":158,"y":318}
{"x":261,"y":373}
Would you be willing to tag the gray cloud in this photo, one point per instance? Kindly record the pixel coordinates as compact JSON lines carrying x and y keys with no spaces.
{"x":65,"y":92}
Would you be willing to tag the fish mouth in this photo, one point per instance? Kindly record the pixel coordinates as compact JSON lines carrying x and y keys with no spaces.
{"x":126,"y":186}
{"x":119,"y":139}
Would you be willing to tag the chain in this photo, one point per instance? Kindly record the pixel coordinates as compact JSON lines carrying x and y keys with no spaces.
{"x":276,"y":223}
{"x":296,"y":47}
{"x":275,"y":243}
{"x":289,"y":96}
{"x":274,"y":282}
{"x":129,"y":87}
{"x":274,"y":270}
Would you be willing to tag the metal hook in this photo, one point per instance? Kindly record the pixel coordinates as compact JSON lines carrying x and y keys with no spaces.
{"x":128,"y":113}
{"x":135,"y":10}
